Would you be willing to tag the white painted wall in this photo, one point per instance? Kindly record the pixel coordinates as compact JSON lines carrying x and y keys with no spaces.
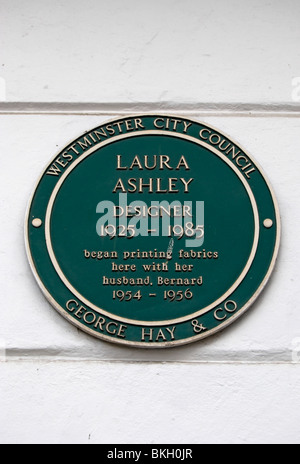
{"x":64,"y":68}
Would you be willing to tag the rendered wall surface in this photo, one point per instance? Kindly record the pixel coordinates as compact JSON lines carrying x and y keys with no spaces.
{"x":65,"y":67}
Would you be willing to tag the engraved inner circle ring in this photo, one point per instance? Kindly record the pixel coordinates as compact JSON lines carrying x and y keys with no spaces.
{"x":133,"y":321}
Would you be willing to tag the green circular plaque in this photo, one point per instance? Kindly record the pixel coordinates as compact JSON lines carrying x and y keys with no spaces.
{"x":152,"y":231}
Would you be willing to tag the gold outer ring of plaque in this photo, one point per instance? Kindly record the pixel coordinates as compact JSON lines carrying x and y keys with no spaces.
{"x":182,"y":342}
{"x":134,"y":321}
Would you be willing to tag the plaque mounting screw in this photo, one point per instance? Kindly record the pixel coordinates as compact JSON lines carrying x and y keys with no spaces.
{"x":268,"y":223}
{"x":37,"y":223}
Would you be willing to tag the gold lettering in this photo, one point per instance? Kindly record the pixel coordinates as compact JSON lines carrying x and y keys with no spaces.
{"x":110,"y":324}
{"x":221,"y":145}
{"x":145,"y":185}
{"x":136,"y":163}
{"x":93,"y":139}
{"x":238,"y":160}
{"x":139,"y":124}
{"x":100,"y":323}
{"x":119,"y":186}
{"x":74,"y":149}
{"x":100,"y":133}
{"x":87,"y":315}
{"x":202,"y":132}
{"x":79,"y":312}
{"x":131,"y":183}
{"x":183,"y":163}
{"x":119,"y":164}
{"x":67,"y":156}
{"x":159,"y":189}
{"x":234,"y":153}
{"x":147,"y":334}
{"x":164,"y":160}
{"x":147,"y":163}
{"x":220,"y":310}
{"x":172,"y":185}
{"x":171,"y":332}
{"x":119,"y":124}
{"x":160,"y":335}
{"x":176,"y":121}
{"x":71,"y":309}
{"x":249,"y":172}
{"x":62,"y":163}
{"x":110,"y":130}
{"x":186,"y":184}
{"x":247,"y":166}
{"x":85,"y":144}
{"x":121,"y":331}
{"x":156,"y":123}
{"x":128,"y":124}
{"x":186,"y":126}
{"x":211,"y":139}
